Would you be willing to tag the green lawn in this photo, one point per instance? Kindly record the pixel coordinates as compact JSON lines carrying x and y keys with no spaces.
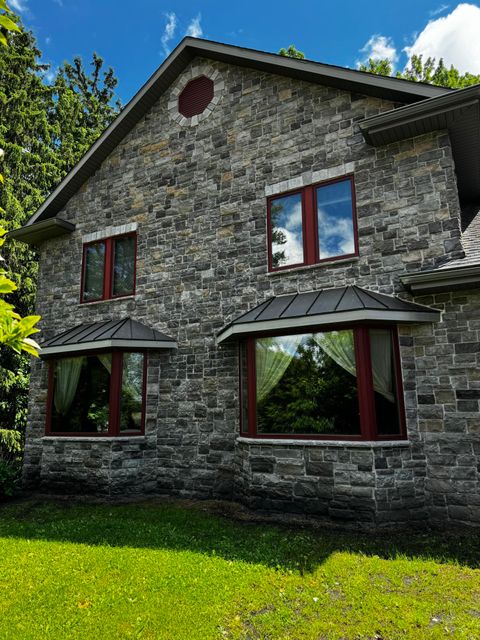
{"x":165,"y":571}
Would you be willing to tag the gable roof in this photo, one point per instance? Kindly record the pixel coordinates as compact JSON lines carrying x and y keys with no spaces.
{"x":325,"y":307}
{"x":348,"y":79}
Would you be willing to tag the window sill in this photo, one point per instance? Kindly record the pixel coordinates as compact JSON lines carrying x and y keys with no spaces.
{"x":118,"y":299}
{"x":138,"y":438}
{"x":296,"y":442}
{"x":318,"y":265}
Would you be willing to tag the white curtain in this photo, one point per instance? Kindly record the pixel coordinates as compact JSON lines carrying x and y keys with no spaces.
{"x":339,"y":346}
{"x":66,"y":383}
{"x":273,"y":355}
{"x":106,"y":360}
{"x":381,"y":353}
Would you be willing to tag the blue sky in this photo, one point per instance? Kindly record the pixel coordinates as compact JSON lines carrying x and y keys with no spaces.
{"x":134,"y":37}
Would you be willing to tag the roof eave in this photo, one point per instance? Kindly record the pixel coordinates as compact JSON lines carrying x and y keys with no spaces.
{"x":375,"y":127}
{"x":102,"y":345}
{"x":38,"y":232}
{"x":443,"y":279}
{"x":342,"y":317}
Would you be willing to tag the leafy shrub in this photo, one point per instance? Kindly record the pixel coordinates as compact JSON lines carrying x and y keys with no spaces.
{"x":10,"y":461}
{"x":9,"y":476}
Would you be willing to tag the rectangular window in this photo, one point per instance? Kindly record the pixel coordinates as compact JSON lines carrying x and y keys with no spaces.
{"x":94,"y":269}
{"x":331,"y":384}
{"x":100,"y":394}
{"x":312,"y":225}
{"x":109,"y":268}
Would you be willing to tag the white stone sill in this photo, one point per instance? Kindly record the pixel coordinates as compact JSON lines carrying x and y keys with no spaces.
{"x":309,"y":267}
{"x":360,"y":444}
{"x":118,"y":299}
{"x":93,"y":438}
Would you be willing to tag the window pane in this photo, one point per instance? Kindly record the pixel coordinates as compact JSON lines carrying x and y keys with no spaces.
{"x":287,"y":230}
{"x":243,"y":388}
{"x":131,"y":402}
{"x":94,"y":267}
{"x":81,"y":394}
{"x":124,"y":266}
{"x":384,"y":382}
{"x":335,"y":219}
{"x":307,"y":384}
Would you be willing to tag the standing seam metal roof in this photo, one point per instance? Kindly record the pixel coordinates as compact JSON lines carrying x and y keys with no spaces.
{"x":120,"y":331}
{"x":326,"y":302}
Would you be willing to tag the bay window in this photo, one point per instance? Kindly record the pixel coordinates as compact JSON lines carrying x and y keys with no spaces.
{"x":330,"y":384}
{"x":312,"y":225}
{"x":100,"y":394}
{"x":108,"y":269}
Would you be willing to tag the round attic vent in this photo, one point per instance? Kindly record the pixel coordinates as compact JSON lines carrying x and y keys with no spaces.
{"x":196,"y":96}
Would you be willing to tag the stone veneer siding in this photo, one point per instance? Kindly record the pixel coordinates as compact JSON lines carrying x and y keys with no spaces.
{"x":197,"y":195}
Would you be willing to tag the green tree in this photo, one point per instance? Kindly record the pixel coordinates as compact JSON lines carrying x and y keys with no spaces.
{"x":292,"y":52}
{"x":379,"y":67}
{"x":44,"y":130}
{"x":84,"y":107}
{"x":420,"y":70}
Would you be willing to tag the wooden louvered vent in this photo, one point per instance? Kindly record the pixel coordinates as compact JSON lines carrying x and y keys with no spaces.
{"x":196,"y":96}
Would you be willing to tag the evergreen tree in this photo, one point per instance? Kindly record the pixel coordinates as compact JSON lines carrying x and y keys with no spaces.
{"x":44,"y":131}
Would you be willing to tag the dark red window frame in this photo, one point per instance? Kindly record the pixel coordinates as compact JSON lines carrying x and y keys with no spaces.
{"x":366,"y":399}
{"x":311,"y":249}
{"x":114,"y":397}
{"x":108,"y":268}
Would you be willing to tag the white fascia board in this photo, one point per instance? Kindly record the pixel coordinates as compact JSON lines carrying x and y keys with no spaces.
{"x":328,"y":319}
{"x":108,"y":344}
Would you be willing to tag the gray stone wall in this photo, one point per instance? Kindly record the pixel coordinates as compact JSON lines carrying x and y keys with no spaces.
{"x":447,"y":377}
{"x":197,"y":195}
{"x":367,"y":485}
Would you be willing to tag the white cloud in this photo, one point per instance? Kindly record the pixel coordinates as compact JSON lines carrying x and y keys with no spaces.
{"x":379,"y":47}
{"x":292,"y":248}
{"x":59,"y":2}
{"x":194,"y":29}
{"x":293,"y":221}
{"x":50,"y":74}
{"x":440,"y":9}
{"x":18,"y":5}
{"x":169,"y":31}
{"x":454,"y":37}
{"x":336,"y":235}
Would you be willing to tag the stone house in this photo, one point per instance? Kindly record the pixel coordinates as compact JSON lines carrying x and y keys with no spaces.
{"x":261,"y":284}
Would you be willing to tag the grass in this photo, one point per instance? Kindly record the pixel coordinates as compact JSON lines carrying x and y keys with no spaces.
{"x":163,"y":571}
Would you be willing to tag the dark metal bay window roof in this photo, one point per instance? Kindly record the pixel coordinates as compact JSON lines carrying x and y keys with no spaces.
{"x":326,"y":307}
{"x":109,"y":334}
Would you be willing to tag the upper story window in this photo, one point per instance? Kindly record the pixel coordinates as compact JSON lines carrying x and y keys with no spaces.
{"x":108,"y":269}
{"x":312,"y":225}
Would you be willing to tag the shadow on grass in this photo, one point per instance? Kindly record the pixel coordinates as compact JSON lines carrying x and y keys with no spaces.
{"x":174,"y":527}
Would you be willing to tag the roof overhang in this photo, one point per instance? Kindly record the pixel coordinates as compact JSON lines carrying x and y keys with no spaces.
{"x":107,"y":345}
{"x":345,"y":317}
{"x":458,"y":112}
{"x":189,"y":48}
{"x":328,"y":307}
{"x":40,"y":231}
{"x":126,"y":334}
{"x":466,"y":277}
